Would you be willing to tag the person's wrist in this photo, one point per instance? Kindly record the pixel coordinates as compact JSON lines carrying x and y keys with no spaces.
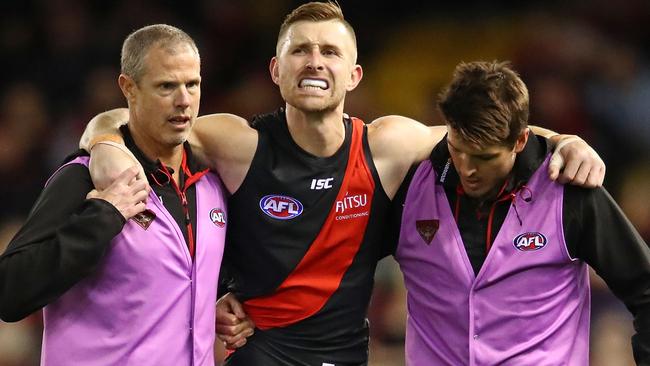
{"x":107,"y":137}
{"x":555,"y":139}
{"x":119,"y":146}
{"x":563,"y":140}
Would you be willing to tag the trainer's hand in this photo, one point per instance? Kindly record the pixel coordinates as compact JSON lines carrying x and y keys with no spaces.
{"x":233,"y":325}
{"x":127,"y":193}
{"x":575,"y":162}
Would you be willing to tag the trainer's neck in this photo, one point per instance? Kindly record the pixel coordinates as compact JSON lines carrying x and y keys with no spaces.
{"x":170,"y":156}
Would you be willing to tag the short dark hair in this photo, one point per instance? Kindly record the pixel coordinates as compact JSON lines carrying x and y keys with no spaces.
{"x":486,"y":103}
{"x":138,"y":43}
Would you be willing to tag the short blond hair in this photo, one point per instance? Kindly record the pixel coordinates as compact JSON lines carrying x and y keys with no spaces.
{"x":316,"y":12}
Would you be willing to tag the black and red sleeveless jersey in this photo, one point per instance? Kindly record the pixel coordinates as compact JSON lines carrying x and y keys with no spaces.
{"x":305,"y":234}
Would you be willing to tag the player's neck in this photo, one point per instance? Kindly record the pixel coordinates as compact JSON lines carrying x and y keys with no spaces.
{"x":320,"y":134}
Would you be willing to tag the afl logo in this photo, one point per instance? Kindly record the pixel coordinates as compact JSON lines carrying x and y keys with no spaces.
{"x":530,"y":241}
{"x":280,"y":207}
{"x":218,"y":217}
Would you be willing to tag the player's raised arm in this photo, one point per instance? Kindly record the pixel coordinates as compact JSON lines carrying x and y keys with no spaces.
{"x":397,"y":143}
{"x":226,"y":143}
{"x":104,"y":127}
{"x":102,"y":139}
{"x":573,"y":160}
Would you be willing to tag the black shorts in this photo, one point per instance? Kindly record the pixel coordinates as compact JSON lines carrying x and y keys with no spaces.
{"x":262,"y":351}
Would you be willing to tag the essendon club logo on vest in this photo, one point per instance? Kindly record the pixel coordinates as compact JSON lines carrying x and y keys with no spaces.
{"x":427,"y":229}
{"x":144,"y":218}
{"x":280,"y":207}
{"x":218,"y":217}
{"x":529,"y":241}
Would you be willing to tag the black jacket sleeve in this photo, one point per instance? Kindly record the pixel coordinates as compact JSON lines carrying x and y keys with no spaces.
{"x":62,"y":241}
{"x":597,"y":231}
{"x":394,"y":222}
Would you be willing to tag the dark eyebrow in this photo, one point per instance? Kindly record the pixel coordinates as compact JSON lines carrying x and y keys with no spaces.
{"x":485,"y":156}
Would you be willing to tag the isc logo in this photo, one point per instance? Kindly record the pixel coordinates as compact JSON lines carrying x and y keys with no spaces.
{"x":530,"y":241}
{"x":218,"y":217}
{"x":321,"y":183}
{"x":280,"y":207}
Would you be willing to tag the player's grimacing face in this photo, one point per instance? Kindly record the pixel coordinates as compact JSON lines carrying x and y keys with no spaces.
{"x":315,"y":65}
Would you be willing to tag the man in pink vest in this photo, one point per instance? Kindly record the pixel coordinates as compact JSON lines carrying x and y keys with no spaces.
{"x":494,"y":253}
{"x":121,"y":282}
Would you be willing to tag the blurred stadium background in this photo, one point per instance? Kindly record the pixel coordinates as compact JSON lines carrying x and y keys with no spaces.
{"x":585,"y":62}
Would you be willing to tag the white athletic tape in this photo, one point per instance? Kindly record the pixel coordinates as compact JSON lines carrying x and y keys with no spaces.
{"x":556,"y":158}
{"x":565,"y":142}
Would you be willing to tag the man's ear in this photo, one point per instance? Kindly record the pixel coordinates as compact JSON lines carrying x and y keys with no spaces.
{"x":355,"y":77}
{"x":128,"y":86}
{"x":273,"y":70}
{"x":522,"y":140}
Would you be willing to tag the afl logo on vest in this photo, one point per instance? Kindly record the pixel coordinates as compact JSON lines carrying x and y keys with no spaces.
{"x":530,"y":241}
{"x":218,"y":217}
{"x":280,"y":207}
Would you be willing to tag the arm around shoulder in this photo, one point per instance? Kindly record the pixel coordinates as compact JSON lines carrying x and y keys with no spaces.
{"x":104,"y":126}
{"x":573,"y":160}
{"x":404,"y":137}
{"x":397,"y":143}
{"x":222,"y":136}
{"x":227,"y":144}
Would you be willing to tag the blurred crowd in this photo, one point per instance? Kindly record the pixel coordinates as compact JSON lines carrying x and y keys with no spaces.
{"x":586,"y":64}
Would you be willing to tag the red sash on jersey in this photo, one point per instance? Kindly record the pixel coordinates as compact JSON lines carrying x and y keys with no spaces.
{"x":306,"y":290}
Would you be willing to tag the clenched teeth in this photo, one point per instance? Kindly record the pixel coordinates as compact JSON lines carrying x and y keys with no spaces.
{"x":313,"y":83}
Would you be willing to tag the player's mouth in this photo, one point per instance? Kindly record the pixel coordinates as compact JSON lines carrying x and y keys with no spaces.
{"x":313,"y":84}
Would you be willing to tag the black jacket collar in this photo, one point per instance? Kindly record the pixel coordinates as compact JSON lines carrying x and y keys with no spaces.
{"x":153,"y":168}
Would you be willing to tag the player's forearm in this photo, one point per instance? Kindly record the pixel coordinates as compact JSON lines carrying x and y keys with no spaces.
{"x":106,"y":123}
{"x":546,"y":133}
{"x":552,"y":136}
